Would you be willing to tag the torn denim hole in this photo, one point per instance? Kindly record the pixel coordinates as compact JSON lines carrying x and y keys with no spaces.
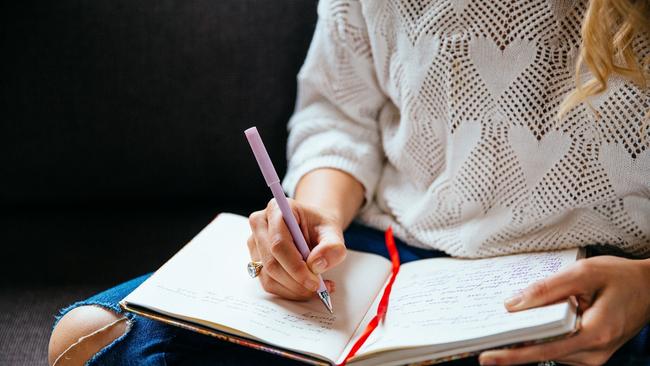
{"x":123,"y":317}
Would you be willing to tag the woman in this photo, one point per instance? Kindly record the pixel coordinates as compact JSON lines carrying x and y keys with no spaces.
{"x":476,"y":128}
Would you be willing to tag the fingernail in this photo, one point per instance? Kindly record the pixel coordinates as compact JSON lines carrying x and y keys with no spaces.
{"x":514,"y":301}
{"x":311,"y":285}
{"x":486,"y":361}
{"x":331,"y":286}
{"x":320,"y":265}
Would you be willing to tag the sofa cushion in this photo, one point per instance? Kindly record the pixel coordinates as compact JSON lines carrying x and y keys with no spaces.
{"x":145,"y":101}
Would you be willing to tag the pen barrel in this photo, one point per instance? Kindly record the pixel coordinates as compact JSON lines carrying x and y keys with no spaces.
{"x":273,"y":181}
{"x":290,"y":220}
{"x":262,"y":156}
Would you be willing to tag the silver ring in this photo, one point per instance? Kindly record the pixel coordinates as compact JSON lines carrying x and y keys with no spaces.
{"x":546,"y":363}
{"x":254,"y":268}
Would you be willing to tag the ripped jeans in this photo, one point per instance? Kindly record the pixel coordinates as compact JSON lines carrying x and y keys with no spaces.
{"x":148,"y":342}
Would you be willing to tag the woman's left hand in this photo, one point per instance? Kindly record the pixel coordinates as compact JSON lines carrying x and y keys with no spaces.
{"x":614,"y":297}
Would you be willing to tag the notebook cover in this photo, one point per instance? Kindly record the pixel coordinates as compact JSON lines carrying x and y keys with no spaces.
{"x":299,"y":356}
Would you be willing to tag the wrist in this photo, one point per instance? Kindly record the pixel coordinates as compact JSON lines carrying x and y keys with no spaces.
{"x":337,"y":217}
{"x":645,"y":269}
{"x":333,"y":193}
{"x":330,"y":214}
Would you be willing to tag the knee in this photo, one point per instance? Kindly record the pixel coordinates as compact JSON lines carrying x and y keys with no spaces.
{"x":82,"y":332}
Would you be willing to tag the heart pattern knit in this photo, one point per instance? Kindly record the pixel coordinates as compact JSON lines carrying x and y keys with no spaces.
{"x":447,"y":112}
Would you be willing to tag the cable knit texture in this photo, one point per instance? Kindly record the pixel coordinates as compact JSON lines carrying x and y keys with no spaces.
{"x":446,"y":112}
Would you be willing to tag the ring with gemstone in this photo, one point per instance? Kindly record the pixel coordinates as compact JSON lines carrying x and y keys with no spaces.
{"x":254,"y":268}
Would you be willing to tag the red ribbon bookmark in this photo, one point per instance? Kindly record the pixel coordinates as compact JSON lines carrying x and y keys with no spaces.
{"x":383,"y":303}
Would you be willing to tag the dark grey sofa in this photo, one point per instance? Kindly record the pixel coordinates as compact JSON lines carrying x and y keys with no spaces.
{"x":121,"y":136}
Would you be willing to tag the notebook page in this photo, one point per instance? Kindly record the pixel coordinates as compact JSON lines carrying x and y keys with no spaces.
{"x":207,"y":280}
{"x":445,"y":300}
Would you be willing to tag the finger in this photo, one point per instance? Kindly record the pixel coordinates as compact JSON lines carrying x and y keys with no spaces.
{"x":283,"y":249}
{"x":604,"y":326}
{"x":598,"y":338}
{"x":578,"y":279}
{"x":274,"y":287}
{"x":602,"y":335}
{"x":258,"y":225}
{"x":331,"y":286}
{"x":271,"y":266}
{"x":274,"y":269}
{"x":586,"y":358}
{"x":252,"y":249}
{"x":329,"y":252}
{"x":540,"y":352}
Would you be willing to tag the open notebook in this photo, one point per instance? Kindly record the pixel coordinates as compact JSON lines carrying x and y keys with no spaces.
{"x":439,"y":308}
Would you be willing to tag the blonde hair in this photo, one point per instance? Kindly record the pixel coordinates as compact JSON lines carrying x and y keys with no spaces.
{"x":608,"y":31}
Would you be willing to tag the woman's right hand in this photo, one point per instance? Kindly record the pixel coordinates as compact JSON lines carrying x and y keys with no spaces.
{"x":284,"y":272}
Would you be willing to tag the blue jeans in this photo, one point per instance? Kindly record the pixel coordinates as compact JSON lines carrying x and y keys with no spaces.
{"x":149,"y":342}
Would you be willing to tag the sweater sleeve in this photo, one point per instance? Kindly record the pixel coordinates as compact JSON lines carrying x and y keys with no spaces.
{"x":335,"y":121}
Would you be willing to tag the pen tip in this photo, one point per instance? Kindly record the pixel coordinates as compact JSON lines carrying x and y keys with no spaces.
{"x":325,"y":298}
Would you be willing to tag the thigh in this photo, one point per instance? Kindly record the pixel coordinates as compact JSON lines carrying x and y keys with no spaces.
{"x":149,"y":342}
{"x":367,"y":239}
{"x":144,"y":341}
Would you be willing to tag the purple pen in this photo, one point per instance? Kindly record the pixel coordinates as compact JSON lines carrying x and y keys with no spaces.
{"x":273,"y":181}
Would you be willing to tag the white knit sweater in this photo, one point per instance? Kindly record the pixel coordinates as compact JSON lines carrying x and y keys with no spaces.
{"x":445,"y":111}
